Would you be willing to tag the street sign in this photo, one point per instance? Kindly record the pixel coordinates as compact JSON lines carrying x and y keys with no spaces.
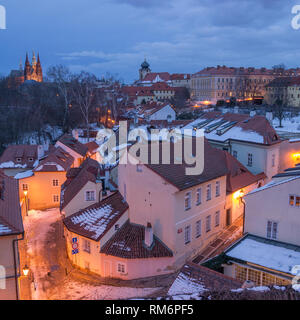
{"x":75,"y":245}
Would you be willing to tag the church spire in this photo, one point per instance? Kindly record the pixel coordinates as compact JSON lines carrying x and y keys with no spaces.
{"x":33,"y":59}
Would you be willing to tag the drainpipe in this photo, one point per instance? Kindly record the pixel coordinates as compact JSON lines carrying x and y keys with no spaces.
{"x":15,"y":264}
{"x":244,"y":213}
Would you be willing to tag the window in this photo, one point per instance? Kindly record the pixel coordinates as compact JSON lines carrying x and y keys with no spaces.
{"x":272,"y":228}
{"x":198,"y":197}
{"x":55,"y":198}
{"x":25,"y":187}
{"x":90,"y":196}
{"x":55,"y":183}
{"x":208,"y":192}
{"x":117,"y":227}
{"x":187,"y":201}
{"x":250,"y":159}
{"x":217,"y":219}
{"x":121,"y":268}
{"x":295,"y":201}
{"x":218,"y":189}
{"x":139,"y":168}
{"x":86,"y":246}
{"x":273,"y":160}
{"x":187,"y":234}
{"x":30,"y":159}
{"x":19,"y":159}
{"x":235,"y":154}
{"x":198,"y":228}
{"x":208,"y":223}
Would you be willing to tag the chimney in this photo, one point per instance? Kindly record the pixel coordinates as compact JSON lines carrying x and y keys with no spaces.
{"x":148,"y":235}
{"x":40,"y":152}
{"x":75,"y":134}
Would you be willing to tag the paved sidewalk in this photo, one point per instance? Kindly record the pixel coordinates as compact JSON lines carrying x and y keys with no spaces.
{"x":227,"y":237}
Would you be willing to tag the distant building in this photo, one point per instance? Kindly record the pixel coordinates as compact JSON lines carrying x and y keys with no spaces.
{"x":285,"y":89}
{"x":31,"y":71}
{"x":250,"y":139}
{"x":148,"y":78}
{"x":222,"y":83}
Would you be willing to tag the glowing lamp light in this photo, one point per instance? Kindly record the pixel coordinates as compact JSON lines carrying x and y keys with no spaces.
{"x":296,"y":156}
{"x":238,"y":195}
{"x":25,"y":271}
{"x":25,"y":193}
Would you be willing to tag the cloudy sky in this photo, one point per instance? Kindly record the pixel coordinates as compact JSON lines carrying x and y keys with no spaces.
{"x":174,"y":35}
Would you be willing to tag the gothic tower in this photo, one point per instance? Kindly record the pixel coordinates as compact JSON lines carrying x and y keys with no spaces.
{"x":34,"y":70}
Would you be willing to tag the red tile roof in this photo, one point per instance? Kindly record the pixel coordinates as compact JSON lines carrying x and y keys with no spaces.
{"x":207,"y":278}
{"x":24,"y":152}
{"x":74,"y":144}
{"x":180,"y":76}
{"x":94,"y":222}
{"x":238,"y":176}
{"x":128,"y":243}
{"x":57,"y":160}
{"x":165,"y":76}
{"x":175,"y":174}
{"x":92,"y":147}
{"x":10,"y":211}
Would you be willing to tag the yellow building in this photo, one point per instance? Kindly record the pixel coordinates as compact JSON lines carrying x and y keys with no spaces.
{"x":40,"y":187}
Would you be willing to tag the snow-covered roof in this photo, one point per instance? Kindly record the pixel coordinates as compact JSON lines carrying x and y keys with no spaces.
{"x":273,"y":183}
{"x":267,"y":253}
{"x":229,"y":126}
{"x":25,"y":174}
{"x":94,"y":221}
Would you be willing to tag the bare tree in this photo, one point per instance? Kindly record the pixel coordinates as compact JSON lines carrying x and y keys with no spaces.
{"x":85,"y":94}
{"x":62,"y":77}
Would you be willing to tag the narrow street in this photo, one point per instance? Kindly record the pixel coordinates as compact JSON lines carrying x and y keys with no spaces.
{"x":52,"y":276}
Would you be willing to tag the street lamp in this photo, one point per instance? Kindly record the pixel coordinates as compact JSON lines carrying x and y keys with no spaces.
{"x":25,"y":270}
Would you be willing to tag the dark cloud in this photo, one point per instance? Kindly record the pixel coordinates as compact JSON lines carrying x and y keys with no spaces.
{"x":175,"y":35}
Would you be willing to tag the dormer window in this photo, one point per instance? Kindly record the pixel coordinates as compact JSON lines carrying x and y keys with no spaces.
{"x":30,"y":159}
{"x":18,"y":159}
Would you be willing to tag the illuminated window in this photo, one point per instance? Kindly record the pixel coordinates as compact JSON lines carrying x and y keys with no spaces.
{"x":25,"y":187}
{"x":294,"y":201}
{"x":240,"y":273}
{"x":254,"y":276}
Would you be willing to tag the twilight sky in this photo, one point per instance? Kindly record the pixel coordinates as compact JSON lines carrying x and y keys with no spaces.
{"x":175,"y":35}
